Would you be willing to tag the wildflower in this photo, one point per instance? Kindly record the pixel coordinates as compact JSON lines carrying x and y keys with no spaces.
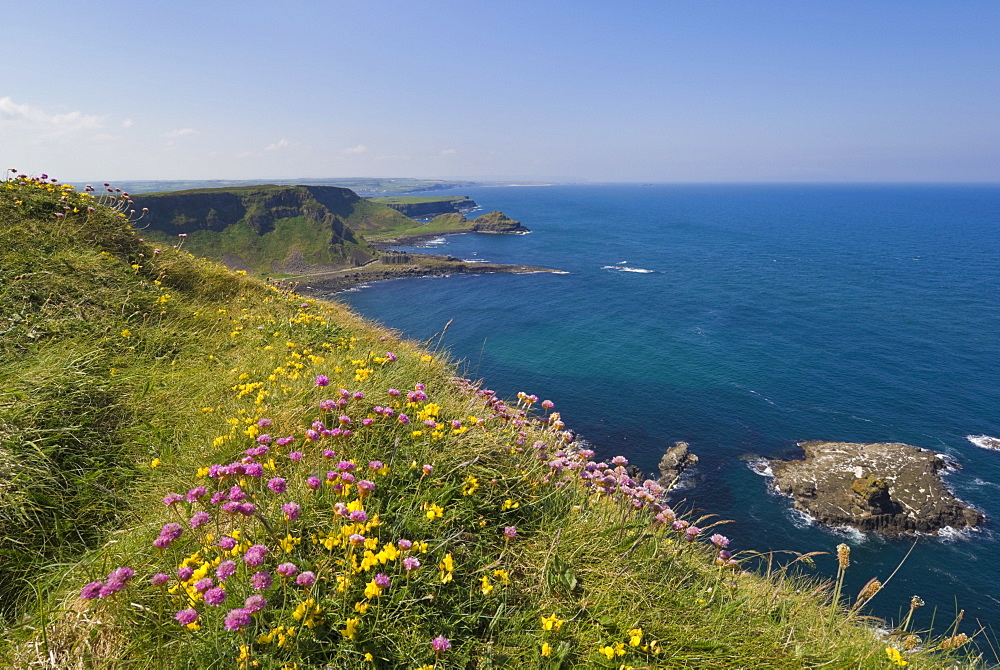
{"x":691,"y":532}
{"x":322,"y":380}
{"x":255,"y":555}
{"x":404,"y":545}
{"x":485,"y":586}
{"x":291,"y":510}
{"x":204,"y":584}
{"x":215,"y":597}
{"x":195,"y":494}
{"x":187,"y":617}
{"x":200,"y":519}
{"x":411,"y":563}
{"x":236,"y":619}
{"x":159,"y":579}
{"x":184,"y":573}
{"x":306,"y":579}
{"x":227,"y":543}
{"x":168,"y":534}
{"x":440,"y":643}
{"x":261,"y":580}
{"x":172,"y":498}
{"x":635,"y":637}
{"x":433,"y":510}
{"x":255,"y":603}
{"x":607,"y":651}
{"x":358,"y":516}
{"x":470,"y":485}
{"x":155,"y":463}
{"x":510,"y":532}
{"x":296,"y":456}
{"x":552,"y":622}
{"x":355,"y":539}
{"x":720,"y":541}
{"x":91,"y":590}
{"x":895,"y":656}
{"x":351,"y":628}
{"x":277,"y":484}
{"x":287,"y":569}
{"x":446,"y":569}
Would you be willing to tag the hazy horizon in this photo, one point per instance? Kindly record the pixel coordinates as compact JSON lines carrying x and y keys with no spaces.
{"x":635,"y":92}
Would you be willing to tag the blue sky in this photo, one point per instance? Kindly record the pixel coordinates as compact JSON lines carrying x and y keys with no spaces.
{"x":602,"y":91}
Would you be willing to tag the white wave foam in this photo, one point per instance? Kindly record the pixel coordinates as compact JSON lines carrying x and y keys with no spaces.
{"x":435,"y":242}
{"x":625,"y":268}
{"x":622,"y":263}
{"x":760,"y":466}
{"x":984,"y":441}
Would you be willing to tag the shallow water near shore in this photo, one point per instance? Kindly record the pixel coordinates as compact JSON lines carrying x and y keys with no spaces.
{"x":742,"y":319}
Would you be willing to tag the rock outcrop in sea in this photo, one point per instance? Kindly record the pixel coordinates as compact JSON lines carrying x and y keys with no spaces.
{"x":674,"y":462}
{"x":889,"y":488}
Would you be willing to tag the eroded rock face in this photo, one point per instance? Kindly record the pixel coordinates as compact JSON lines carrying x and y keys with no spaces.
{"x":675,"y":461}
{"x":890,"y":488}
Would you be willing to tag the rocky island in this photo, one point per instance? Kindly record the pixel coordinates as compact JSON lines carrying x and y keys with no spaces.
{"x":889,"y":488}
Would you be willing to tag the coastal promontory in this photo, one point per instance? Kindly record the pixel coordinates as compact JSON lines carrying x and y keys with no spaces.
{"x":890,"y":488}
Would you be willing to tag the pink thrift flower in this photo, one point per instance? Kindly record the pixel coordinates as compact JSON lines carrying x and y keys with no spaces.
{"x":286,"y":569}
{"x":214,"y":597}
{"x":159,"y":579}
{"x":440,"y":643}
{"x":322,"y":380}
{"x":200,"y":519}
{"x":261,"y":580}
{"x":291,"y":510}
{"x":188,"y":616}
{"x":225,"y":570}
{"x":236,"y":619}
{"x":277,"y":484}
{"x":307,"y":578}
{"x":92,"y":590}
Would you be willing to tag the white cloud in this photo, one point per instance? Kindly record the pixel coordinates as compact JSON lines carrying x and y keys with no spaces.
{"x":448,"y":152}
{"x":47,"y":125}
{"x":127,"y":123}
{"x":280,"y":144}
{"x":180,"y":132}
{"x":360,"y":149}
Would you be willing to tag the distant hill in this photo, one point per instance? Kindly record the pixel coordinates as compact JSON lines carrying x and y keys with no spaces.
{"x":366,"y":186}
{"x":271,"y":228}
{"x":279,"y":229}
{"x":419,"y":207}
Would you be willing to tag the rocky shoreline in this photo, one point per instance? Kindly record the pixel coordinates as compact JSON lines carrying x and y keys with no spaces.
{"x":418,"y":265}
{"x":889,"y":488}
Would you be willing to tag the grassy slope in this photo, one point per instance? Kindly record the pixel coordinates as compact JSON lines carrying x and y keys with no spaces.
{"x":113,"y":356}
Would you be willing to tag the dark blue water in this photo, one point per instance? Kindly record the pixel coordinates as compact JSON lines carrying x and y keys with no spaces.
{"x":764,"y":315}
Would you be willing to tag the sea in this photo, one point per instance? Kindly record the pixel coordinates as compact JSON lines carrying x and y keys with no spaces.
{"x":743,"y":319}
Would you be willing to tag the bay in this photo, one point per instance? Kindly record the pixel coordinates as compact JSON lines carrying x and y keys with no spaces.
{"x":743,"y":319}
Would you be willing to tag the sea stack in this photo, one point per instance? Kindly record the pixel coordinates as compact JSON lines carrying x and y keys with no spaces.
{"x":889,"y":488}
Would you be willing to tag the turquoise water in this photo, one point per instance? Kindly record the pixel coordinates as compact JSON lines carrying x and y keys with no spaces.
{"x":743,"y":319}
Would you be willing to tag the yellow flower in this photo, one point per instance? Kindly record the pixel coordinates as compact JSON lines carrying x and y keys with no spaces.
{"x":433,"y":510}
{"x":447,"y":568}
{"x":546,"y":649}
{"x":502,"y":576}
{"x":609,"y":652}
{"x":486,"y":587}
{"x":126,"y":333}
{"x":470,"y":486}
{"x":895,"y":656}
{"x":552,"y":622}
{"x":155,"y":463}
{"x":635,"y":637}
{"x":351,"y":629}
